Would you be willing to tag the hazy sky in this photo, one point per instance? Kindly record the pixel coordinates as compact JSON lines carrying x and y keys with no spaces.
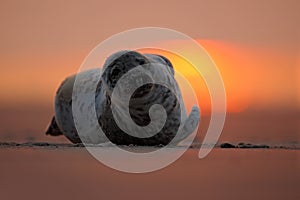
{"x":255,"y":44}
{"x":53,"y":37}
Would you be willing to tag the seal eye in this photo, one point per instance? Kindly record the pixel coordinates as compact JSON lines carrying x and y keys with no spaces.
{"x":140,"y":61}
{"x":115,"y":72}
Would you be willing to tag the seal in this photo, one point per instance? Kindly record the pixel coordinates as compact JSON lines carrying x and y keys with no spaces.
{"x":141,"y":101}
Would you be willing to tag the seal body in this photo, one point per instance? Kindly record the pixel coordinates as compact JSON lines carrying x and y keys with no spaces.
{"x":143,"y":98}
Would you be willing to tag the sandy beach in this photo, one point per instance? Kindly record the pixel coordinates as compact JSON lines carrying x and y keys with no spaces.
{"x":69,"y":172}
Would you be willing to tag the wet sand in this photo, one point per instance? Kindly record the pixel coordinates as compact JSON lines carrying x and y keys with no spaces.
{"x":70,"y":172}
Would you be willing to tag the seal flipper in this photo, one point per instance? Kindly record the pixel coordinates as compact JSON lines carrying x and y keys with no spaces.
{"x":189,"y":125}
{"x":53,"y":129}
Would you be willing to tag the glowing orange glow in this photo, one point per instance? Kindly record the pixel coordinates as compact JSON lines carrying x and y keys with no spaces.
{"x":252,"y":76}
{"x":186,"y":70}
{"x":237,"y":94}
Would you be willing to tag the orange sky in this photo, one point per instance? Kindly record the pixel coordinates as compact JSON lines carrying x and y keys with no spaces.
{"x":253,"y":77}
{"x":257,"y":77}
{"x":255,"y":45}
{"x":43,"y":42}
